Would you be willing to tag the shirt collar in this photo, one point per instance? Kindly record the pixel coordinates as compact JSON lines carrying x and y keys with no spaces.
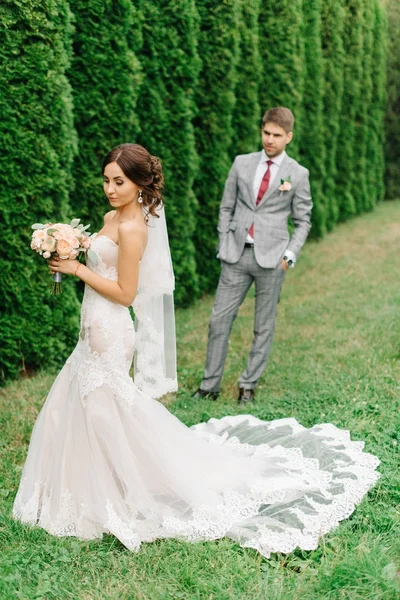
{"x":277,"y":160}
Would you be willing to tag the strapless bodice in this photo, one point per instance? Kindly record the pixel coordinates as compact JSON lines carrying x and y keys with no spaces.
{"x":106,"y":251}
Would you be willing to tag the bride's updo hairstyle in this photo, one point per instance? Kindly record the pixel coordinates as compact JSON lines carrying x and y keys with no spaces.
{"x":143,"y":169}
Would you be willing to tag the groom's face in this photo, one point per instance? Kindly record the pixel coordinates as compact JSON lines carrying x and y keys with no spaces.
{"x":274,"y":139}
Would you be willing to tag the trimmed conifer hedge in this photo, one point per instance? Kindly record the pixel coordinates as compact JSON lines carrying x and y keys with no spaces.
{"x":392,"y":119}
{"x":364,"y":196}
{"x":166,"y":108}
{"x":214,"y":128}
{"x":246,"y":118}
{"x":282,"y":55}
{"x":332,"y":28}
{"x":352,"y":74}
{"x":380,"y":55}
{"x":105,"y":76}
{"x":312,"y":142}
{"x":37,"y":131}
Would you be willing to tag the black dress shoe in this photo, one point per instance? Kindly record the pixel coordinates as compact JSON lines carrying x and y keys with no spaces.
{"x":200,"y":394}
{"x":246,"y":396}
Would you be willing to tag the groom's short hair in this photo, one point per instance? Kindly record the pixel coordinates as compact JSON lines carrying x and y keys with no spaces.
{"x":280,"y":116}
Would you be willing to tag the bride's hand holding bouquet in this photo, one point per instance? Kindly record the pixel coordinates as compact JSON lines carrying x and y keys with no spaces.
{"x":67,"y":266}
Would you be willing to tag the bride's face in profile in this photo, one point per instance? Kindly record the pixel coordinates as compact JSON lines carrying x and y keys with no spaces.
{"x":118,"y":188}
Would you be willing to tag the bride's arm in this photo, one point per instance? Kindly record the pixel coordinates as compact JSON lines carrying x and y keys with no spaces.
{"x":131,"y":245}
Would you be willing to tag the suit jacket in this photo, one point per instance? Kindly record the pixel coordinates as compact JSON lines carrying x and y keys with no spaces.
{"x":238,"y":211}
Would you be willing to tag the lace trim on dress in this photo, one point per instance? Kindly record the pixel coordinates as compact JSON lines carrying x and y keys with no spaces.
{"x":313,"y":501}
{"x":93,"y":370}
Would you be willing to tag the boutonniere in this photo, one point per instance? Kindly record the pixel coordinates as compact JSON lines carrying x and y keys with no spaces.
{"x":286,"y":185}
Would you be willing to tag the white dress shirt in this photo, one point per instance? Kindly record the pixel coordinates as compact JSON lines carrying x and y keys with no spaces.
{"x":260,"y":172}
{"x":262,"y":168}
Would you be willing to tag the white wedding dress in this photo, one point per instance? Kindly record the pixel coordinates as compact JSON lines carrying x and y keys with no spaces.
{"x":107,"y":457}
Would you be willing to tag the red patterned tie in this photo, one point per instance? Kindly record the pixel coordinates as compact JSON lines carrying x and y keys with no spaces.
{"x":263,"y":188}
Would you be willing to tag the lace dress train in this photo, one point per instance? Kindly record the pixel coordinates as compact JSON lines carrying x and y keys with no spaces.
{"x":106,"y":457}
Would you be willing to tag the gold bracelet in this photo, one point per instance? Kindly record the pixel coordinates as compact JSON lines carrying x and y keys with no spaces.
{"x":77,"y":268}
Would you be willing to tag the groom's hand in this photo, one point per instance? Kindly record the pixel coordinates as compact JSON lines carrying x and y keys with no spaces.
{"x":285,"y":266}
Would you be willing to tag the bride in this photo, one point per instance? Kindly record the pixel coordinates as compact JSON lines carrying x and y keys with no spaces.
{"x":106,"y":456}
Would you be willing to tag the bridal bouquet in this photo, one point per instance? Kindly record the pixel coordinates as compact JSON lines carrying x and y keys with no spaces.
{"x":62,"y":240}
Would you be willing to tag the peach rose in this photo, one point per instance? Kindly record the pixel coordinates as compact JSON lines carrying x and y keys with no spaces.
{"x":63,"y":249}
{"x":74,"y":241}
{"x":67,"y":233}
{"x":69,"y":238}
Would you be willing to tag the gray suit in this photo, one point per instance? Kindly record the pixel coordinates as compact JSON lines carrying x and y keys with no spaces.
{"x":261,"y":264}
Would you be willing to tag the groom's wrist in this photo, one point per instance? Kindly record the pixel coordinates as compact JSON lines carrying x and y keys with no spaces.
{"x":290,"y":258}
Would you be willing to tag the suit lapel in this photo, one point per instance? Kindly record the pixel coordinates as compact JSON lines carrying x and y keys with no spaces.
{"x":282,"y":172}
{"x":250,"y":177}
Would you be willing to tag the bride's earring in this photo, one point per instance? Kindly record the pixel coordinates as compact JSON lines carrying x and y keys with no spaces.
{"x":140,"y":199}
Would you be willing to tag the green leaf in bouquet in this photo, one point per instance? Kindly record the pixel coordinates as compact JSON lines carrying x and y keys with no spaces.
{"x":51,"y":230}
{"x":38,"y":226}
{"x":75,"y":222}
{"x":84,"y":228}
{"x":93,"y":256}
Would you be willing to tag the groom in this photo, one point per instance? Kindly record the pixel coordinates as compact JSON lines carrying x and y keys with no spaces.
{"x":262,"y":191}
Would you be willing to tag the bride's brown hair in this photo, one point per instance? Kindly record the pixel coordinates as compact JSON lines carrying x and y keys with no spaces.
{"x":143,"y":169}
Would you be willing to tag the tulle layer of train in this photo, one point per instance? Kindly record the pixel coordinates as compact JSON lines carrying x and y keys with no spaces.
{"x":101,"y":462}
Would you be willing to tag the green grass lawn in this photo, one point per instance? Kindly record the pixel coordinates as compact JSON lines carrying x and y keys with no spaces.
{"x":336,"y":358}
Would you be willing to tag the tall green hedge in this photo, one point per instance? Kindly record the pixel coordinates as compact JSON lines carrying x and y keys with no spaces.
{"x":332,"y":29}
{"x":282,"y":54}
{"x":392,"y":119}
{"x":379,"y":96}
{"x":347,"y":175}
{"x":215,"y":100}
{"x":376,"y":115}
{"x":246,"y":119}
{"x":105,"y":77}
{"x":170,"y":66}
{"x":37,"y":131}
{"x":313,"y":139}
{"x":364,"y":196}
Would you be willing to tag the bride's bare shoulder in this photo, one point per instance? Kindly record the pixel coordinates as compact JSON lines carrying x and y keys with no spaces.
{"x":133,"y":230}
{"x":108,"y":216}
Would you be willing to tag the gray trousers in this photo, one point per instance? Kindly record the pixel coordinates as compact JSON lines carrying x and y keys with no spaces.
{"x":234,"y":283}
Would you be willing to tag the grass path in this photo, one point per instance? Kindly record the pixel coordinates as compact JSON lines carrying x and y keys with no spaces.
{"x":336,"y":358}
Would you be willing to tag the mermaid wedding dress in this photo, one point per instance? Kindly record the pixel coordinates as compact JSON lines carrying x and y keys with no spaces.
{"x":105,"y":456}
